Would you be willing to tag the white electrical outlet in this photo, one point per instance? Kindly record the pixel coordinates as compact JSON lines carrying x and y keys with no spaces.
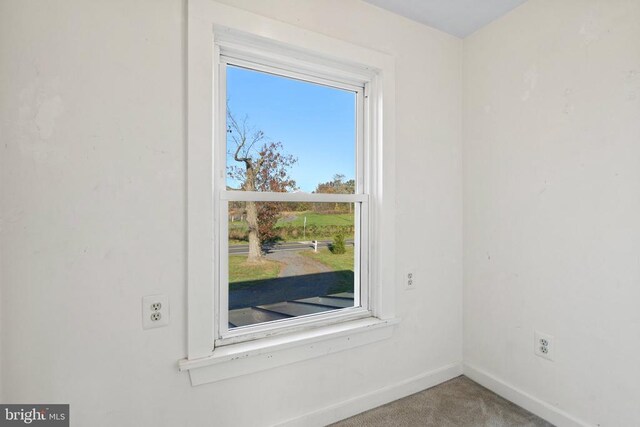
{"x":543,"y":345}
{"x":410,"y":281}
{"x":155,"y":311}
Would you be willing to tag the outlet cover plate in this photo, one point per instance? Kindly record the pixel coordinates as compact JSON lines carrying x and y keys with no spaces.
{"x":410,"y":280}
{"x":539,"y":347}
{"x":155,"y":311}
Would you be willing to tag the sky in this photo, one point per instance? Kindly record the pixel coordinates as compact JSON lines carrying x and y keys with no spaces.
{"x":315,"y":123}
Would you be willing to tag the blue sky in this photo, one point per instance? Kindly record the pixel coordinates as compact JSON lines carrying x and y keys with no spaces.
{"x":315,"y":123}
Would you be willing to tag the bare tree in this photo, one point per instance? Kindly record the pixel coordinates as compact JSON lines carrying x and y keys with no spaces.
{"x":264,"y":168}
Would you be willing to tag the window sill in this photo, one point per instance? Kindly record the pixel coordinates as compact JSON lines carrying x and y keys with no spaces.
{"x":259,"y":355}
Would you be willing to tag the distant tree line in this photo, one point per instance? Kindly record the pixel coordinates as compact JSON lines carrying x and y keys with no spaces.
{"x":336,"y":186}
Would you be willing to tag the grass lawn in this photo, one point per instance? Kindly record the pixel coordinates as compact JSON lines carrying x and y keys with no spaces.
{"x":342,"y":264}
{"x":318,"y":219}
{"x":296,"y":219}
{"x":313,"y":218}
{"x":240,"y":271}
{"x":234,"y":242}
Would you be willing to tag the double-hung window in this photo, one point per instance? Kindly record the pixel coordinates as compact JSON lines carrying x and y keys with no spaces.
{"x":293,"y":206}
{"x":291,"y":171}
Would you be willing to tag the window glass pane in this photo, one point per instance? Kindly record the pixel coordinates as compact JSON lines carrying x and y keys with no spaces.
{"x":289,"y":135}
{"x":299,"y":262}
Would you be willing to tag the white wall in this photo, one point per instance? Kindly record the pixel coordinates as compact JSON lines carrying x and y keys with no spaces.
{"x":92,"y":121}
{"x":552,"y":205}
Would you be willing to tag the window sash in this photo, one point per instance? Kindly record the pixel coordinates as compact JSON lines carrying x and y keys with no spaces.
{"x":361,"y":281}
{"x":227,"y":54}
{"x":361,"y":90}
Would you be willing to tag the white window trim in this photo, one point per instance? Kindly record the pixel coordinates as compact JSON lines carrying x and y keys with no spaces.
{"x":208,"y":22}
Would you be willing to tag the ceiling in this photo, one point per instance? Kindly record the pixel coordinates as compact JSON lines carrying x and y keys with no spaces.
{"x":457,"y":17}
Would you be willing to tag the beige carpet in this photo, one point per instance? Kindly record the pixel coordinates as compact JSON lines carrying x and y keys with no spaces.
{"x":456,"y":403}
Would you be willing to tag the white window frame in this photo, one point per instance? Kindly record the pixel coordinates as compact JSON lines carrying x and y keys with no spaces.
{"x":215,"y":29}
{"x":236,"y":53}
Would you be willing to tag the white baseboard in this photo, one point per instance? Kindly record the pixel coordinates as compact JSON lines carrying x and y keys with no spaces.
{"x":356,"y":405}
{"x":532,"y":404}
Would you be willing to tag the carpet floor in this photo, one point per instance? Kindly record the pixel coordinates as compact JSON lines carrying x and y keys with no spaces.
{"x":459,"y":402}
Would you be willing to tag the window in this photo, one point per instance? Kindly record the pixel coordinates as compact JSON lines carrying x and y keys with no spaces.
{"x":293,"y":205}
{"x":311,"y":107}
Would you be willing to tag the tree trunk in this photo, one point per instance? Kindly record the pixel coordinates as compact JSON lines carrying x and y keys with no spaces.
{"x":255,"y":251}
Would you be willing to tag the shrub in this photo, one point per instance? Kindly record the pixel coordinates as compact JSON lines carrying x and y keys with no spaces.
{"x":238,"y":234}
{"x":338,"y":244}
